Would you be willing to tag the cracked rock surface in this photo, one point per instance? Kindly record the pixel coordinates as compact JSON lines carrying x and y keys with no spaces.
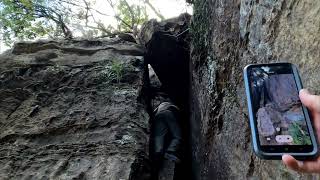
{"x":227,"y":35}
{"x":73,"y":110}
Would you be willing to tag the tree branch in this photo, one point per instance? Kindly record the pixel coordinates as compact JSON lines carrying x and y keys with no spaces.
{"x":154,"y":10}
{"x":87,"y":11}
{"x":132,"y":14}
{"x":48,"y":13}
{"x":117,"y":16}
{"x":99,"y":12}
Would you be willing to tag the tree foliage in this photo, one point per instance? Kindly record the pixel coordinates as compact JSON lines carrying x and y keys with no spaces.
{"x":18,"y":22}
{"x":132,"y":15}
{"x":30,"y":19}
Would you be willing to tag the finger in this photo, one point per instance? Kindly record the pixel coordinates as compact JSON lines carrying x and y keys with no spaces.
{"x":313,"y":104}
{"x":311,"y":101}
{"x":290,"y":162}
{"x":301,"y":166}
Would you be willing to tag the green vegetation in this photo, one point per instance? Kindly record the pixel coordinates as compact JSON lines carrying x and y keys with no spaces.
{"x":300,"y":136}
{"x":113,"y":72}
{"x":23,"y":19}
{"x":30,"y":19}
{"x":132,"y":16}
{"x":117,"y":69}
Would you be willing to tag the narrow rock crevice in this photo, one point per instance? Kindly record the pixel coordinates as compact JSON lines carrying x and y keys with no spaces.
{"x":251,"y":167}
{"x":167,"y":60}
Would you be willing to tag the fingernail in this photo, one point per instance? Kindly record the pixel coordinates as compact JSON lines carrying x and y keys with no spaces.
{"x":300,"y":163}
{"x":305,"y":90}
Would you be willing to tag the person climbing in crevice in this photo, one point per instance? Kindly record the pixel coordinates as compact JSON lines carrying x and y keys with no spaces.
{"x":165,"y":135}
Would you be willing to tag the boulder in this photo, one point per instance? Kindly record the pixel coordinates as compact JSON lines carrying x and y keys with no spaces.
{"x":127,"y":37}
{"x":265,"y":124}
{"x":173,"y":27}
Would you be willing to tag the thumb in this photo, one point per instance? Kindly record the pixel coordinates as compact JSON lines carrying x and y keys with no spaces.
{"x":301,"y":166}
{"x":311,"y":101}
{"x":292,"y":163}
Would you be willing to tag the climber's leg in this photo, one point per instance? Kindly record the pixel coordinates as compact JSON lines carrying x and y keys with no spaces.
{"x":175,"y":132}
{"x":159,"y":131}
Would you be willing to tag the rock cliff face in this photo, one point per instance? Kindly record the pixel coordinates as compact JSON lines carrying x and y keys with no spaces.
{"x":227,"y":35}
{"x":73,"y":110}
{"x":77,"y":109}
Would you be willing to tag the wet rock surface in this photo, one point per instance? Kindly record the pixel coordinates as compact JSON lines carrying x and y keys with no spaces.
{"x":73,"y":110}
{"x":227,"y":35}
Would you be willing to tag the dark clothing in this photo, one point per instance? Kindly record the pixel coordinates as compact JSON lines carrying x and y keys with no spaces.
{"x":165,"y":123}
{"x":165,"y":137}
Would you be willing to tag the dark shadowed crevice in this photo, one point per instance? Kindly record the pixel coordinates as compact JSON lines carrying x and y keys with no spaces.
{"x":251,"y":167}
{"x":168,"y":54}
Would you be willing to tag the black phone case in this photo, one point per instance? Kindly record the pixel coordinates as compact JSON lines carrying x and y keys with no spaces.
{"x":254,"y":129}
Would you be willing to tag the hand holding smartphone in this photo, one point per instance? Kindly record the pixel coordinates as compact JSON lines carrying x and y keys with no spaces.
{"x":280,"y":123}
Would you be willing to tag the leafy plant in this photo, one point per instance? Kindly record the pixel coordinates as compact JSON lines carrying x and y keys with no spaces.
{"x":300,"y":136}
{"x":114,"y":71}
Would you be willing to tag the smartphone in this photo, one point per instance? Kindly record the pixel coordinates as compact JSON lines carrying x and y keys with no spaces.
{"x":280,"y":123}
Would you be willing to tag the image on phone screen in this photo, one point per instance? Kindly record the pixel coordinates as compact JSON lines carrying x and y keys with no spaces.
{"x":277,"y":107}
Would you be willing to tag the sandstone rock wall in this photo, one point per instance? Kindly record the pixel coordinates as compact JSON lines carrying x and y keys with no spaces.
{"x":227,"y":35}
{"x":73,"y":110}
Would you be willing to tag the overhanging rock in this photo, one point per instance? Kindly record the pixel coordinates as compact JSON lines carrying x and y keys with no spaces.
{"x":167,"y":51}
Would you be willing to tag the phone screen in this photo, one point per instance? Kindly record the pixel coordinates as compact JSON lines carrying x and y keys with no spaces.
{"x":277,"y":109}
